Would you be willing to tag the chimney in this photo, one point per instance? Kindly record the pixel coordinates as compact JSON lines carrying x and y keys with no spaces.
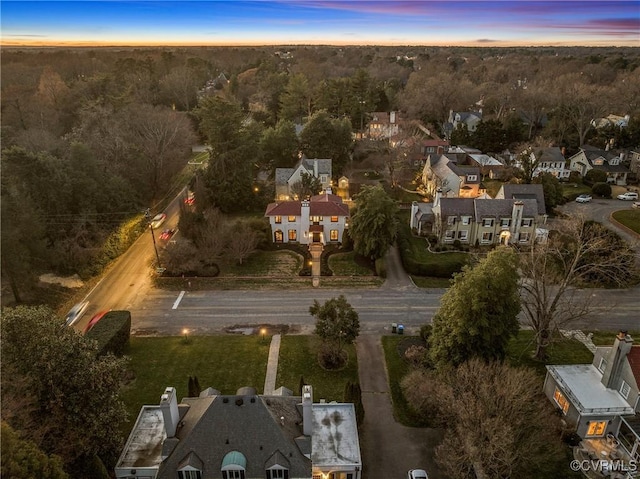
{"x":615,"y":360}
{"x":170,"y":414}
{"x":392,"y":117}
{"x":307,"y":412}
{"x":315,"y":168}
{"x":436,"y":199}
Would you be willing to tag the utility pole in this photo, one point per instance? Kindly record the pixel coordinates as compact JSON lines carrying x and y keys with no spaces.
{"x":153,"y":237}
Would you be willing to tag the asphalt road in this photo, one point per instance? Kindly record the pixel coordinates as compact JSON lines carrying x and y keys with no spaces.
{"x":127,"y":285}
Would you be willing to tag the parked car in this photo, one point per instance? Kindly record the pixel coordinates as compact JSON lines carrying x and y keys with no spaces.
{"x":158,"y":220}
{"x":629,"y":195}
{"x":94,"y":320}
{"x":167,"y":234}
{"x":417,"y":474}
{"x":76,"y":313}
{"x":583,"y":199}
{"x":636,"y":204}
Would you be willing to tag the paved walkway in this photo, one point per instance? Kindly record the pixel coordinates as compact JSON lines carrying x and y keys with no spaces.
{"x":272,"y":365}
{"x":580,"y":336}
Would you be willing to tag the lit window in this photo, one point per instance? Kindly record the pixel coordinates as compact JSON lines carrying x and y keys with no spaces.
{"x":291,"y":219}
{"x":625,"y":389}
{"x":333,"y":235}
{"x":596,"y":428}
{"x":278,"y":219}
{"x":293,"y":235}
{"x":487,"y":222}
{"x":561,"y":401}
{"x":278,"y":236}
{"x":316,"y":219}
{"x":334,"y":219}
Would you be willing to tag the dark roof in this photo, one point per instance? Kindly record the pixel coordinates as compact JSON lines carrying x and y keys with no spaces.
{"x":319,"y":205}
{"x":503,"y":208}
{"x":634,"y":362}
{"x":215,"y":426}
{"x":523,"y":192}
{"x":456,"y":206}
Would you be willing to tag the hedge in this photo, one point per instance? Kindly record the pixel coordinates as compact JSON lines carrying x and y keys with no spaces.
{"x":112,"y":332}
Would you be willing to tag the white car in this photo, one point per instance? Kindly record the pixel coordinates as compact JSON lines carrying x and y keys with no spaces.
{"x":583,"y":199}
{"x":76,"y":313}
{"x":636,"y":204}
{"x":629,"y":195}
{"x":417,"y":474}
{"x":158,"y":220}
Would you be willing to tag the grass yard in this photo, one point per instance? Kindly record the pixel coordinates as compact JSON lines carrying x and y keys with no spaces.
{"x":265,"y":263}
{"x":344,"y":264}
{"x":629,"y":218}
{"x":223,"y":362}
{"x":427,"y":282}
{"x":520,"y":350}
{"x":606,"y":338}
{"x":298,"y":358}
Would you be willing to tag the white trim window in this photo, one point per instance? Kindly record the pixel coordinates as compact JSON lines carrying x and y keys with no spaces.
{"x":466,"y":220}
{"x":451,"y":220}
{"x":602,"y":365}
{"x":487,"y":222}
{"x":526,"y":222}
{"x":463,"y":235}
{"x":524,"y":237}
{"x":449,"y":236}
{"x":189,"y":474}
{"x":625,"y":389}
{"x":505,"y":222}
{"x":486,"y":238}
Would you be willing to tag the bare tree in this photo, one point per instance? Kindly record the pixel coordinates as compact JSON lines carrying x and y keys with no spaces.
{"x":243,"y":241}
{"x":551,"y":271}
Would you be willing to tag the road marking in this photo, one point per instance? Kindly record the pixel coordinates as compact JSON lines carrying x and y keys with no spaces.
{"x":175,"y":305}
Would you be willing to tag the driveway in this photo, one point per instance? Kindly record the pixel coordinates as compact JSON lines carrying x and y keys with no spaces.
{"x":388,"y":448}
{"x":397,"y":277}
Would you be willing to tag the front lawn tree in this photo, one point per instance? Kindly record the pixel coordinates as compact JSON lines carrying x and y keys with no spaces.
{"x":337,"y":325}
{"x":373,"y":226}
{"x":578,"y":252}
{"x":58,"y":393}
{"x":478,"y":314}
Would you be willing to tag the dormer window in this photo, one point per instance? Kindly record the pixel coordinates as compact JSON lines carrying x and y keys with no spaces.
{"x":277,"y":472}
{"x":602,"y":365}
{"x":625,"y":389}
{"x":472,"y":178}
{"x":487,"y":222}
{"x":451,"y":220}
{"x":189,"y":474}
{"x":233,"y":465}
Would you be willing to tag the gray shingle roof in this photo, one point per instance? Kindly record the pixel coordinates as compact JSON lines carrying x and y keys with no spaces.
{"x":523,"y":192}
{"x":503,"y":208}
{"x":252,"y":425}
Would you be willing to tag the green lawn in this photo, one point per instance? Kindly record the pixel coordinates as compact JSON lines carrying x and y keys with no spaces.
{"x":520,"y":350}
{"x":223,"y":362}
{"x":427,"y":282}
{"x":606,"y":338}
{"x":226,"y":363}
{"x":629,"y":218}
{"x":298,"y":358}
{"x":265,"y":263}
{"x":344,"y":264}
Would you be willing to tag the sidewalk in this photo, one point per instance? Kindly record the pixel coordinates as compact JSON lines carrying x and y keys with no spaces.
{"x":272,"y":365}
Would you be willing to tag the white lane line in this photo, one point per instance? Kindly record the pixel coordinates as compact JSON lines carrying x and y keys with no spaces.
{"x":175,"y":305}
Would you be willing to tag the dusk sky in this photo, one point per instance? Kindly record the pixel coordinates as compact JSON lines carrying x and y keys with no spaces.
{"x":334,"y":22}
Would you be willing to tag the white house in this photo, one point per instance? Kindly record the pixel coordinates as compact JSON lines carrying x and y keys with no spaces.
{"x":285,"y":178}
{"x":242,"y":436}
{"x":321,"y":219}
{"x":550,"y":160}
{"x":589,"y":158}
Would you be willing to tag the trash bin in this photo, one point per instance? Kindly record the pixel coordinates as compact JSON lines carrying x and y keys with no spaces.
{"x":400,"y":329}
{"x":394,"y":327}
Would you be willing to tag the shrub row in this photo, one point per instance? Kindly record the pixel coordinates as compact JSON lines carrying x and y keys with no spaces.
{"x":112,"y":332}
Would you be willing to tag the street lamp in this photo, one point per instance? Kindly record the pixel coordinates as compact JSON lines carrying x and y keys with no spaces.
{"x":185,"y":333}
{"x":263,"y":332}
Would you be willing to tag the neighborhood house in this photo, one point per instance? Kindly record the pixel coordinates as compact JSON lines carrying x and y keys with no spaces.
{"x":287,"y":178}
{"x":242,"y":436}
{"x":321,"y":219}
